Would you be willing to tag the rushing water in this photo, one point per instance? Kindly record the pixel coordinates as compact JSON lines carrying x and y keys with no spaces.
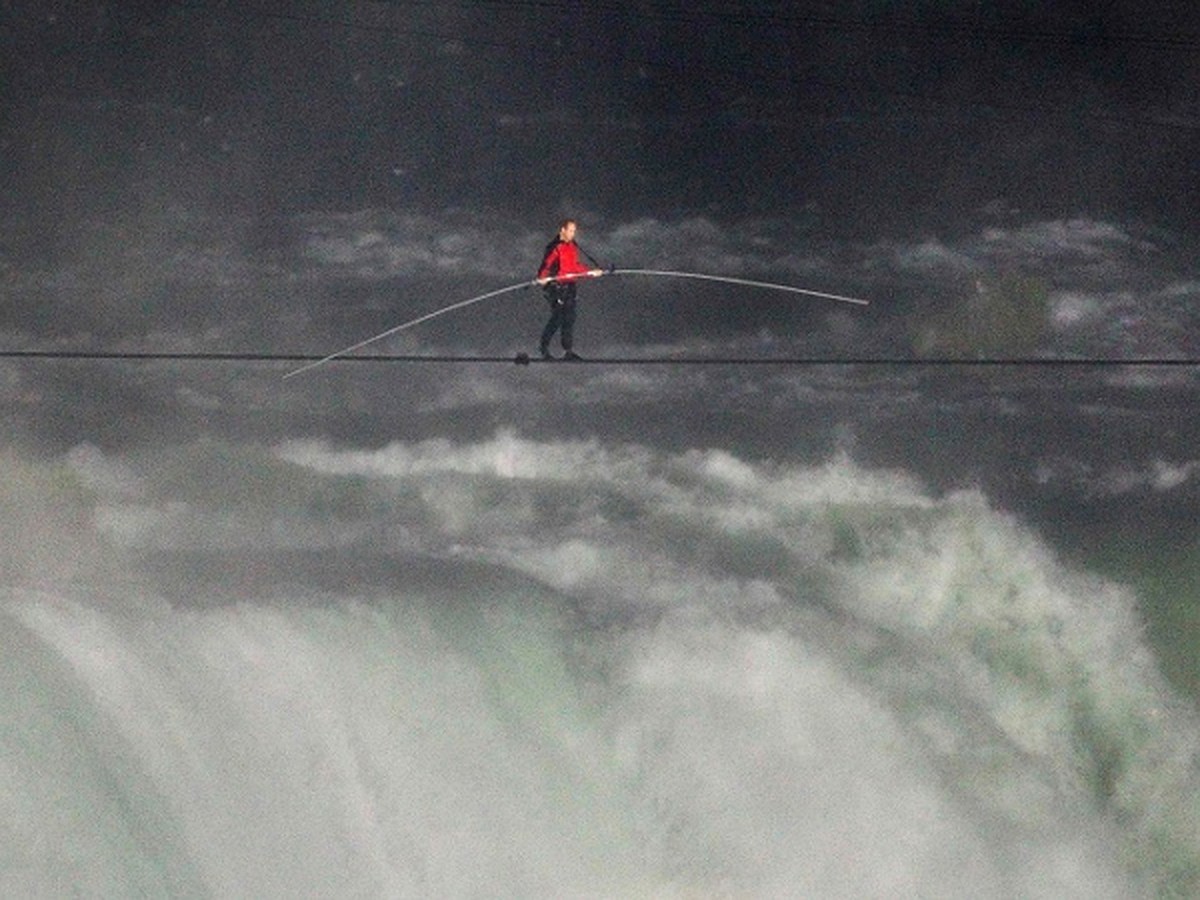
{"x":512,"y":668}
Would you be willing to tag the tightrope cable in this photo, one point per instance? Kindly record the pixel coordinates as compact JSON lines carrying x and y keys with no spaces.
{"x":526,"y":359}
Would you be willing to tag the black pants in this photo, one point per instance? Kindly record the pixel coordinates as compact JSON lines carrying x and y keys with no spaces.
{"x":561,"y":297}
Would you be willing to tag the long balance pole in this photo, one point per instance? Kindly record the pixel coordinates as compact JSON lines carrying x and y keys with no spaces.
{"x":662,"y":273}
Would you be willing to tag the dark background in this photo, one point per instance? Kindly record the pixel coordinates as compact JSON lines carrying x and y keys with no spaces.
{"x":873,"y":114}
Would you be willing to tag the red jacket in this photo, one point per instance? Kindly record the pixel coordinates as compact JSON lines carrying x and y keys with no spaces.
{"x":562,"y":258}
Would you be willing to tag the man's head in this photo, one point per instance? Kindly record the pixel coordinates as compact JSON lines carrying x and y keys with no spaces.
{"x":566,"y":230}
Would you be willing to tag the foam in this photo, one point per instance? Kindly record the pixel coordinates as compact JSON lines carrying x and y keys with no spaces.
{"x":577,"y":669}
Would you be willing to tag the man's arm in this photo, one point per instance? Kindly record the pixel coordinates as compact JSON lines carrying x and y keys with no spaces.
{"x":548,"y":261}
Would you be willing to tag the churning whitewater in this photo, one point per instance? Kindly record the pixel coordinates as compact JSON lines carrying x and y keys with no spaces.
{"x":516,"y":668}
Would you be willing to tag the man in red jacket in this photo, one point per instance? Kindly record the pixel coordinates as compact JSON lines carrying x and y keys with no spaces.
{"x":558,"y":274}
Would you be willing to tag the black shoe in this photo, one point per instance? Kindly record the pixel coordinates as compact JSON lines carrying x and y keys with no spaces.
{"x":572,"y":356}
